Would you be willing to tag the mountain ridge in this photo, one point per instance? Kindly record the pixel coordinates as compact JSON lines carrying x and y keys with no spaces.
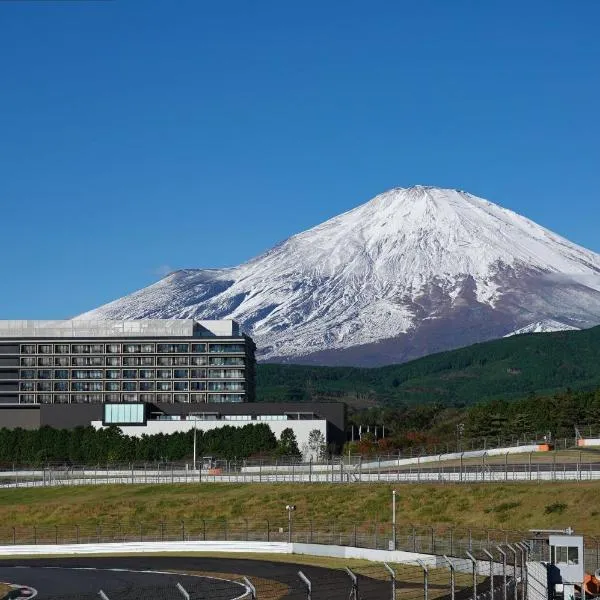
{"x":412,"y":271}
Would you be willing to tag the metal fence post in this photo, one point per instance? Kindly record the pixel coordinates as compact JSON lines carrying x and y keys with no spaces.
{"x":452,"y":577}
{"x":523,"y":548}
{"x":515,"y":565}
{"x":393,"y":579}
{"x":183,"y":591}
{"x":474,"y":562}
{"x":307,"y":583}
{"x":503,"y":554}
{"x":425,"y":580}
{"x":251,"y":588}
{"x":491,"y":557}
{"x":354,"y":591}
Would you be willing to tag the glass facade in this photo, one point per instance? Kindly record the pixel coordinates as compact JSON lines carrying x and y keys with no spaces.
{"x":169,"y":370}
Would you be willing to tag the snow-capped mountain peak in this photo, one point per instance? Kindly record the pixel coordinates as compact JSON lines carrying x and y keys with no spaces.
{"x":411,"y":271}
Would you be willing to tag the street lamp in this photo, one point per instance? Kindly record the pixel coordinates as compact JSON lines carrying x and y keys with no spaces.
{"x":394,"y":518}
{"x":290,"y":509}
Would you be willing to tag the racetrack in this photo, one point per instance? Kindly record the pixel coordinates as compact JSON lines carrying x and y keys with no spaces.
{"x":146,"y":577}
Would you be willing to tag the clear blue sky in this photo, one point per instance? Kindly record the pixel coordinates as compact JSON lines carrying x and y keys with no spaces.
{"x":140,"y":136}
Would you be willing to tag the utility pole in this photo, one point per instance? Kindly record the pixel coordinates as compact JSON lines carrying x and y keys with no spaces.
{"x":394,"y":518}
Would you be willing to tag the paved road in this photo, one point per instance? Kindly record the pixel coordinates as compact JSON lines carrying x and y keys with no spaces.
{"x":70,"y":578}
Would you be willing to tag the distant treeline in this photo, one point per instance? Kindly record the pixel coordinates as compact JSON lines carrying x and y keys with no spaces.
{"x":435,"y":426}
{"x":86,"y":445}
{"x":509,"y":368}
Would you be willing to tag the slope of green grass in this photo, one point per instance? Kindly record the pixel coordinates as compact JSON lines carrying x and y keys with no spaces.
{"x":510,"y":506}
{"x":501,"y":369}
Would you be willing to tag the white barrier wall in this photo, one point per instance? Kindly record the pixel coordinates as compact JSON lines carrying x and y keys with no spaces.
{"x":588,"y":442}
{"x":400,"y":462}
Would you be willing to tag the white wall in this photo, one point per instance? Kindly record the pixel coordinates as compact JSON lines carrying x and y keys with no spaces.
{"x":300,"y":428}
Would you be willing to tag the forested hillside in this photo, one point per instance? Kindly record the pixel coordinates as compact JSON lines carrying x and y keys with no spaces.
{"x":502,"y":369}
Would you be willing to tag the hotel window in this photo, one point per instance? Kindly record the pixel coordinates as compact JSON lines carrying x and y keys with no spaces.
{"x":61,"y":386}
{"x":181,"y":373}
{"x":61,"y":348}
{"x":61,"y":361}
{"x":28,"y":361}
{"x":61,"y":374}
{"x":180,"y":386}
{"x":45,"y":349}
{"x":97,"y":348}
{"x":80,"y":349}
{"x":180,"y":397}
{"x":61,"y":398}
{"x":27,"y":399}
{"x":129,"y":373}
{"x":181,"y":361}
{"x":26,"y":386}
{"x":130,"y":386}
{"x":226,"y":361}
{"x":197,"y":397}
{"x":234,"y":374}
{"x":225,"y":398}
{"x":113,"y":374}
{"x":198,"y":347}
{"x":147,"y":361}
{"x":146,"y":386}
{"x":164,"y":386}
{"x":147,"y":347}
{"x":147,"y":397}
{"x":28,"y":349}
{"x":200,"y":360}
{"x":112,"y":397}
{"x":164,"y":398}
{"x":112,"y":386}
{"x":113,"y":348}
{"x":216,"y":373}
{"x":44,"y":374}
{"x":198,"y":385}
{"x":131,"y":348}
{"x":27,"y":374}
{"x":198,"y":374}
{"x":45,"y":398}
{"x":164,"y":361}
{"x":164,"y":374}
{"x":146,"y":373}
{"x":131,"y":361}
{"x":113,"y":361}
{"x":226,"y":348}
{"x":95,"y":374}
{"x":44,"y":386}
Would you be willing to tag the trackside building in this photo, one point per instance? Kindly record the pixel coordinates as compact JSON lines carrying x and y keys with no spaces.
{"x":145,"y":376}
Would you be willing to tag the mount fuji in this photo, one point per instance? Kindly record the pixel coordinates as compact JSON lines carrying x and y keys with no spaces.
{"x":413,"y":271}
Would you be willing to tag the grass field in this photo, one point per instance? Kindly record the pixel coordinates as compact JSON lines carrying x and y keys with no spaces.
{"x":511,"y":505}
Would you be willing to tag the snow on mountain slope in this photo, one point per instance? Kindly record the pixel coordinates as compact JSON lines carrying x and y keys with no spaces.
{"x":547,"y":326}
{"x":412,"y":271}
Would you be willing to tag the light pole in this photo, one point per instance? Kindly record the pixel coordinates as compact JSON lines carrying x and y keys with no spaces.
{"x":394,"y":518}
{"x":194,"y":459}
{"x":290,"y":509}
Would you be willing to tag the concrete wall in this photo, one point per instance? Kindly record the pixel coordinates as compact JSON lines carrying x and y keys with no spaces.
{"x":26,"y":418}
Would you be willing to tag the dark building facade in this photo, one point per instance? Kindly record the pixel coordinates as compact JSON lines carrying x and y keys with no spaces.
{"x":164,"y":361}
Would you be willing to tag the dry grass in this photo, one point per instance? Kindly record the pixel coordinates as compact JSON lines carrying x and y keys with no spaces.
{"x":490,"y":505}
{"x":4,"y":589}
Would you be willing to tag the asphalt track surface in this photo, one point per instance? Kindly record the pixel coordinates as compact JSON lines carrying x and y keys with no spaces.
{"x":81,"y":577}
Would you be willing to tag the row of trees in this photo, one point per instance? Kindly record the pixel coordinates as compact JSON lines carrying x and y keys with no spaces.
{"x":436,"y":426}
{"x":86,"y":445}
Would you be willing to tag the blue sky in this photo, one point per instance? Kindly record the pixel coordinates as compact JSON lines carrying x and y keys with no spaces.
{"x":142,"y":136}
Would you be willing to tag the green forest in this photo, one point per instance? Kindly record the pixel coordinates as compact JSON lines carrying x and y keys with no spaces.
{"x":504,"y":369}
{"x":86,"y":445}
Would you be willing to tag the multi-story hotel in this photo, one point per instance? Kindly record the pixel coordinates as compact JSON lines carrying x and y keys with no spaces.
{"x":165,"y":361}
{"x":145,"y":376}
